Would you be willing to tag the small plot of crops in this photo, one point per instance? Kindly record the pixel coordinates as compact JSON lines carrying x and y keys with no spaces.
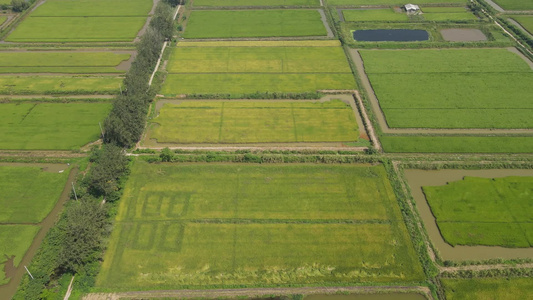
{"x":218,"y":3}
{"x":488,"y":288}
{"x":369,"y":15}
{"x":515,"y":4}
{"x":255,"y":225}
{"x":525,"y":21}
{"x":453,"y":88}
{"x":254,"y":23}
{"x":245,"y":70}
{"x":83,"y":21}
{"x":10,"y":84}
{"x":61,"y":62}
{"x":457,"y":144}
{"x":484,"y":211}
{"x":392,"y":2}
{"x":28,"y":196}
{"x":255,"y":122}
{"x":447,"y":14}
{"x":50,"y":126}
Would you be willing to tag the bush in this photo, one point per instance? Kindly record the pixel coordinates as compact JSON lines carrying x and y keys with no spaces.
{"x":19,"y":5}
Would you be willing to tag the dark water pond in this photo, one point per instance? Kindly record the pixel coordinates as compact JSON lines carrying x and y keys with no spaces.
{"x":391,"y":35}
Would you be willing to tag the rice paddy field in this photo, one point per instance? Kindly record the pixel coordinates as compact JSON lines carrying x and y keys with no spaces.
{"x":28,"y":196}
{"x":526,"y":22}
{"x":242,"y":224}
{"x":515,"y":4}
{"x":254,"y":23}
{"x":245,"y":70}
{"x":447,"y":14}
{"x":457,"y":144}
{"x":392,"y":2}
{"x":255,"y":122}
{"x":58,"y":85}
{"x":83,"y":21}
{"x":229,"y":3}
{"x":452,"y":88}
{"x":61,"y":62}
{"x":370,"y":15}
{"x":50,"y":126}
{"x":488,"y":288}
{"x":484,"y":211}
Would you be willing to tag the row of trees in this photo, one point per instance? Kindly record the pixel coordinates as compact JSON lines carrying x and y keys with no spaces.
{"x":76,"y":244}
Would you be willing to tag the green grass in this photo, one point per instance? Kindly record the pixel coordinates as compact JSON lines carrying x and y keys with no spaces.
{"x":77,"y":29}
{"x":93,"y":8}
{"x":425,"y":88}
{"x":255,"y":122}
{"x":14,"y":241}
{"x":457,"y":144}
{"x":525,"y":21}
{"x":256,"y":225}
{"x":28,"y":193}
{"x":488,"y":288}
{"x":452,"y":16}
{"x":254,"y":23}
{"x":61,"y":62}
{"x":10,"y":84}
{"x":245,"y":70}
{"x":515,"y":4}
{"x":444,"y":9}
{"x":484,"y":211}
{"x":369,"y":15}
{"x":216,"y":3}
{"x":391,"y":2}
{"x":50,"y":126}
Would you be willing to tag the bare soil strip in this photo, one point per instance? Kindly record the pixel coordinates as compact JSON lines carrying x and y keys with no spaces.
{"x":256,"y":292}
{"x":374,"y":102}
{"x":145,"y":26}
{"x":8,"y":290}
{"x":495,"y":6}
{"x":325,"y":22}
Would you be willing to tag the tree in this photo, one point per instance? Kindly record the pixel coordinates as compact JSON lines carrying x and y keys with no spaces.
{"x":111,"y":165}
{"x":19,"y":5}
{"x":166,"y":155}
{"x":175,"y":2}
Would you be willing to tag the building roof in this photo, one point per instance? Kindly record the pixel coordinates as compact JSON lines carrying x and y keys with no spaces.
{"x":411,"y":7}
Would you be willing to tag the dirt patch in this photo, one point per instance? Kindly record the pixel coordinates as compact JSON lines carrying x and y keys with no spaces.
{"x":9,"y":266}
{"x":462,"y":35}
{"x":126,"y":64}
{"x":419,"y":178}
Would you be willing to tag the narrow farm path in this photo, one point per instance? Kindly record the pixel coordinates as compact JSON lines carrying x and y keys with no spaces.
{"x":255,"y":292}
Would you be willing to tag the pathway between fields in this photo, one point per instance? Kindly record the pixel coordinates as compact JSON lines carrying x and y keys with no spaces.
{"x":255,"y":292}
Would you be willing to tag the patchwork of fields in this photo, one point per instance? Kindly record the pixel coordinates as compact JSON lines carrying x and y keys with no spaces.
{"x":255,"y":122}
{"x":452,"y":88}
{"x":254,"y":23}
{"x":24,"y":187}
{"x":250,"y":69}
{"x":218,"y":3}
{"x":483,"y":211}
{"x":221,"y":225}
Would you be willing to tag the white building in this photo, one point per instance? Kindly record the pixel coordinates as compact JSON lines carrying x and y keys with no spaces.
{"x":411,"y":8}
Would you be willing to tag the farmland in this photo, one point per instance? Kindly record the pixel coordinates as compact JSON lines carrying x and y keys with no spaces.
{"x":255,"y":122}
{"x":484,"y":211}
{"x":389,"y":2}
{"x":488,"y":288}
{"x":61,"y":62}
{"x":515,"y":4}
{"x":47,"y":84}
{"x":270,"y":215}
{"x":93,"y":8}
{"x":244,"y":70}
{"x":363,"y":15}
{"x":228,"y":3}
{"x":457,"y":144}
{"x":525,"y":21}
{"x":50,"y":126}
{"x":28,"y":196}
{"x":480,"y":79}
{"x":254,"y":23}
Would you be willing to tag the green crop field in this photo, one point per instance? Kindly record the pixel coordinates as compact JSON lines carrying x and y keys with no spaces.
{"x":254,"y":23}
{"x":488,"y":288}
{"x":93,"y":8}
{"x":11,"y":84}
{"x":484,"y":211}
{"x":365,"y":15}
{"x":255,"y":122}
{"x":28,"y":193}
{"x":215,"y":3}
{"x":391,"y":2}
{"x":61,"y":62}
{"x":449,"y":16}
{"x":28,"y":196}
{"x":14,"y":242}
{"x":515,"y":4}
{"x":525,"y":21}
{"x":452,"y":88}
{"x":256,"y":225}
{"x":457,"y":144}
{"x":245,"y":70}
{"x":50,"y":126}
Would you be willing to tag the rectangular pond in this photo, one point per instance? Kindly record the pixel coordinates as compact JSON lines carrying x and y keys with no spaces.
{"x":390,"y":35}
